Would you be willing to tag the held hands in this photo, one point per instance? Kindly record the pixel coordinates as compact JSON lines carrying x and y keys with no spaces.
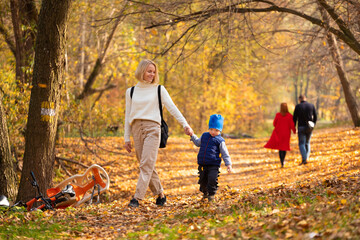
{"x":188,"y":131}
{"x":128,"y":146}
{"x":229,"y":169}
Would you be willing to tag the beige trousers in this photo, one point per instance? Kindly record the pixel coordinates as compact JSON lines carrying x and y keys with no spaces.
{"x":146,"y":136}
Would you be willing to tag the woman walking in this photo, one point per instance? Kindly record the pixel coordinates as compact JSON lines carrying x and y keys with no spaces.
{"x":280,"y":137}
{"x":142,"y":119}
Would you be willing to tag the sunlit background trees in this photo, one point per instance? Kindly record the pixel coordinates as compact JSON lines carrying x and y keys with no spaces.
{"x":241,"y":65}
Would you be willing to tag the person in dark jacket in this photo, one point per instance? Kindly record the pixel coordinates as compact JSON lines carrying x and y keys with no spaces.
{"x":303,"y":113}
{"x":211,"y":146}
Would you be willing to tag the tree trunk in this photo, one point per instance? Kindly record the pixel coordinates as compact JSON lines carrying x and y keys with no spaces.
{"x":7,"y":173}
{"x":24,"y":17}
{"x":296,"y":93}
{"x":339,"y":65}
{"x":82,"y":50}
{"x":19,"y":53}
{"x":317,"y":86}
{"x":307,"y":82}
{"x":40,"y":134}
{"x":349,"y":95}
{"x":300,"y":77}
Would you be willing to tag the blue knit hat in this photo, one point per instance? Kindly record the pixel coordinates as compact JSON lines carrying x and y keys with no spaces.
{"x":216,"y":121}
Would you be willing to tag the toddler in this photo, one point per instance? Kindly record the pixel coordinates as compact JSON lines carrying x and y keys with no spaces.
{"x":212,"y":149}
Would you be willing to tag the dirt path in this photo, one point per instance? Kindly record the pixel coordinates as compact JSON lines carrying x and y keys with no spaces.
{"x":334,"y":152}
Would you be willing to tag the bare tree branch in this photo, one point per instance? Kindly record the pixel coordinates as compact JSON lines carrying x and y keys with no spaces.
{"x":155,"y":8}
{"x":181,"y":36}
{"x":63,"y":166}
{"x":86,"y":144}
{"x":345,"y":33}
{"x":88,"y":90}
{"x":72,"y":161}
{"x":109,"y":86}
{"x":101,"y":89}
{"x":342,"y":25}
{"x":8,"y":39}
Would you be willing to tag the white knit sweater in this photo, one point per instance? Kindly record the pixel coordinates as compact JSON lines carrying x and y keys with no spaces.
{"x":144,"y":105}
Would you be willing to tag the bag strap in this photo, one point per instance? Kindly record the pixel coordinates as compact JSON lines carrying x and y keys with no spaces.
{"x":160,"y":105}
{"x":132,"y":91}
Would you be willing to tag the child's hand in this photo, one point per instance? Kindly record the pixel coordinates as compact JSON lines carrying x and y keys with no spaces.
{"x":229,"y":169}
{"x":188,"y":131}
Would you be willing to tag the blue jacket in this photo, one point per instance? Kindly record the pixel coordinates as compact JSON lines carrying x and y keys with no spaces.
{"x":209,"y":153}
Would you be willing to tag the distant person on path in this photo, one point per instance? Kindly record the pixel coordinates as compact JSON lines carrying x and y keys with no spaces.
{"x":143,"y":120}
{"x":304,"y":112}
{"x":280,"y":137}
{"x":209,"y":160}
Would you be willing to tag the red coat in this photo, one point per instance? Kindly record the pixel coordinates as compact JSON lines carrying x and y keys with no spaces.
{"x":280,"y":137}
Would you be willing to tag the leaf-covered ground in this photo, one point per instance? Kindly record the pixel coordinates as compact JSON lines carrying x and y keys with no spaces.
{"x":259,"y":200}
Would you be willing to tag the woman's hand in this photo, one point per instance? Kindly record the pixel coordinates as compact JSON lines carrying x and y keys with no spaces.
{"x":128,"y":147}
{"x":188,"y":131}
{"x":229,"y":169}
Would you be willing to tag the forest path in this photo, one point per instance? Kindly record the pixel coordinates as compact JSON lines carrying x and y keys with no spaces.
{"x":335,"y":152}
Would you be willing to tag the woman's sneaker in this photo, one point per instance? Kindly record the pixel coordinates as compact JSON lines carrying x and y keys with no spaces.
{"x":134,"y":203}
{"x":161,"y":201}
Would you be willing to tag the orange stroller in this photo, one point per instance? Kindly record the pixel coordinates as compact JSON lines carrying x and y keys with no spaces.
{"x":73,"y":191}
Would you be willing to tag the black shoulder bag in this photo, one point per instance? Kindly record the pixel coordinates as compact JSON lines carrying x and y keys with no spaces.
{"x":164,"y":126}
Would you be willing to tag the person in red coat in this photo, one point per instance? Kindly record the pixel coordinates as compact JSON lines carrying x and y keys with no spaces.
{"x":280,"y":137}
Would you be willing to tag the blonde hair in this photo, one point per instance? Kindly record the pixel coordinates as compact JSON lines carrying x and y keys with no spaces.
{"x":140,"y":70}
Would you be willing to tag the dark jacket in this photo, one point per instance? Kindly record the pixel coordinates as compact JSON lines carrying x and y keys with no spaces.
{"x":304,"y":112}
{"x":209,"y":153}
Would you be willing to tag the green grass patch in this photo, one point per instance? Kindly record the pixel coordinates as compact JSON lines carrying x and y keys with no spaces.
{"x":172,"y":232}
{"x":34,"y":225}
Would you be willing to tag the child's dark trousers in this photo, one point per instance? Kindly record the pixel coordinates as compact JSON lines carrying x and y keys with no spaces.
{"x":208,"y":179}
